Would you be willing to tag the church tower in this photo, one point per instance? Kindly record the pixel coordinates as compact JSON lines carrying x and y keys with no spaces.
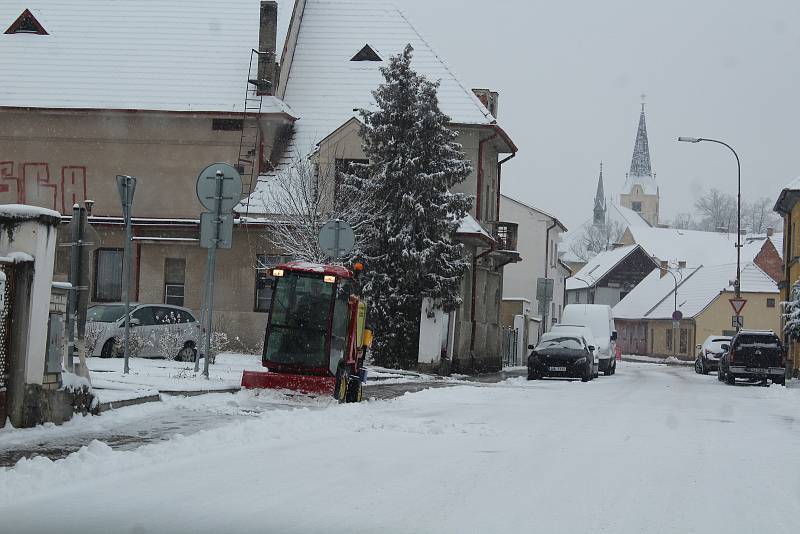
{"x":600,"y":202}
{"x":640,"y":192}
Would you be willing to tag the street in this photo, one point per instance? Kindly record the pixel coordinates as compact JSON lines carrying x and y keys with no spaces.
{"x":652,"y":449}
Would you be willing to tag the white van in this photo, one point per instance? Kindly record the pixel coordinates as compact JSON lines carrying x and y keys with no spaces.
{"x":600,"y":319}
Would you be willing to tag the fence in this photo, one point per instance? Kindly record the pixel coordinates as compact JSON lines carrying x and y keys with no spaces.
{"x":510,"y":346}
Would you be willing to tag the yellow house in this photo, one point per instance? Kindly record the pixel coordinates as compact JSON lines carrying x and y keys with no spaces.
{"x":644,"y":318}
{"x":789,"y":208}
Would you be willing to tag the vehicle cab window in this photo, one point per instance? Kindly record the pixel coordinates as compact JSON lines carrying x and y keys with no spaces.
{"x":144,"y":315}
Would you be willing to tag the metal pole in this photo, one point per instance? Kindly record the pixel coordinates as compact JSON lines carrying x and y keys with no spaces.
{"x":126,"y":279}
{"x":212,"y":260}
{"x":74,"y":279}
{"x":203,"y":302}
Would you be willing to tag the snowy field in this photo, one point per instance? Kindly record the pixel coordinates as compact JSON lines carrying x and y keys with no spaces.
{"x":652,"y":449}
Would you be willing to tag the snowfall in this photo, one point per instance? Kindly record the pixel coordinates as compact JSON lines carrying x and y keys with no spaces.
{"x":654,"y":448}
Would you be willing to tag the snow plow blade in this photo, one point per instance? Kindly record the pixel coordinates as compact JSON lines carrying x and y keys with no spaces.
{"x":322,"y":385}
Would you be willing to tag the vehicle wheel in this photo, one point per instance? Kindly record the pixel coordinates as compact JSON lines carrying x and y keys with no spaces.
{"x":340,"y":388}
{"x":108,"y":349}
{"x":698,"y":367}
{"x":780,"y":381}
{"x":720,"y":375}
{"x":587,"y":374}
{"x":187,"y":354}
{"x":730,"y":379}
{"x":614,"y":367}
{"x":355,"y":390}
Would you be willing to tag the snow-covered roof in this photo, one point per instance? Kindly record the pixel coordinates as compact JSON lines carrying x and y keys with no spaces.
{"x":323,"y":85}
{"x":654,"y":297}
{"x":692,"y":246}
{"x":626,"y":216}
{"x":470,"y":225}
{"x":155,"y":55}
{"x":534,"y":208}
{"x":599,"y":266}
{"x":615,"y":214}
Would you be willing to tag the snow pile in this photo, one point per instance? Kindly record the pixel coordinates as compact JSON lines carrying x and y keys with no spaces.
{"x":24,"y":212}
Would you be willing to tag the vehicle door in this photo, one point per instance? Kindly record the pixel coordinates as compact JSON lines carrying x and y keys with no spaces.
{"x":144,"y":331}
{"x":191,"y":328}
{"x":168,"y":335}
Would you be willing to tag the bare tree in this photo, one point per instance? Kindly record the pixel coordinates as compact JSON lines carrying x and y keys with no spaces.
{"x":757,"y":216}
{"x":717,"y":210}
{"x":684,"y":221}
{"x":596,"y":239}
{"x":302,"y":197}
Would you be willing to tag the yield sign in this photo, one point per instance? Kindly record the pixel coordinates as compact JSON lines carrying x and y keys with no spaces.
{"x":738,"y":305}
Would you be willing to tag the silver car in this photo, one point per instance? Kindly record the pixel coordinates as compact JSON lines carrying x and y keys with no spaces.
{"x":157,"y":331}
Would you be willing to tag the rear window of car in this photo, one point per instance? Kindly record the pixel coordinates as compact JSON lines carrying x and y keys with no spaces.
{"x":751,"y":340}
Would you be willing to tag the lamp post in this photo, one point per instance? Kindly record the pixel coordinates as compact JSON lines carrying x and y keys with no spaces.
{"x":588,"y":288}
{"x":738,"y":207}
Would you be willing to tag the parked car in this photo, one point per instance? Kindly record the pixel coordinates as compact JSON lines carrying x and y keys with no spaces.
{"x":709,"y":353}
{"x":600,"y":320}
{"x":160,"y":331}
{"x":561,"y":355}
{"x":754,"y":354}
{"x":584,"y":331}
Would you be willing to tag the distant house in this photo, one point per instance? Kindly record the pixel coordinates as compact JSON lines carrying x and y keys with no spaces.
{"x":610,"y":276}
{"x":644,"y":317}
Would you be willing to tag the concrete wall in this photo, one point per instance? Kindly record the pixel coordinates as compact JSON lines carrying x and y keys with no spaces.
{"x":56,"y":158}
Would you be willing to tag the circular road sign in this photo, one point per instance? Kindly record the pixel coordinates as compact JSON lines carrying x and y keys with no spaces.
{"x":677,"y":315}
{"x":336,"y":238}
{"x":231,"y":187}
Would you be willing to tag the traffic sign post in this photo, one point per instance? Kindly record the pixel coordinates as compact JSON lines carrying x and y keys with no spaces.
{"x":738,"y":305}
{"x":126,"y":185}
{"x":544,"y":295}
{"x":219,"y":189}
{"x":336,"y":239}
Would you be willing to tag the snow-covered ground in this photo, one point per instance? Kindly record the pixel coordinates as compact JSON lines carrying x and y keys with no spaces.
{"x":651,"y":449}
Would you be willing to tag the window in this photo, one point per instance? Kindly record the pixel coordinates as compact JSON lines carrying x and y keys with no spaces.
{"x":174,"y":281}
{"x":770,"y":303}
{"x":227,"y":125}
{"x":636,"y":206}
{"x":145,"y":316}
{"x":684,"y":342}
{"x":366,"y":54}
{"x":263,"y":297}
{"x":108,"y":275}
{"x":26,"y":23}
{"x":669,"y":340}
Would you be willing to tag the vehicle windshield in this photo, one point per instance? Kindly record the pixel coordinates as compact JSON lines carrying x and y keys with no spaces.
{"x":105,"y":313}
{"x":299,"y":320}
{"x":561,"y":342}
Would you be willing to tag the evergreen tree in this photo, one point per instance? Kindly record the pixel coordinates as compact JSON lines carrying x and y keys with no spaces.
{"x":414,"y":161}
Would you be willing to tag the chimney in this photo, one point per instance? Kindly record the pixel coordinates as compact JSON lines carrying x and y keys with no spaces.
{"x":489,"y":99}
{"x":664,"y":268}
{"x":681,"y":265}
{"x":617,"y":245}
{"x":770,"y":231}
{"x":267,"y":80}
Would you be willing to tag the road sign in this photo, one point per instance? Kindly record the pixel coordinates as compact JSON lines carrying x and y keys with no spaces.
{"x":544,"y":289}
{"x":231,"y":187}
{"x":336,"y":238}
{"x":677,"y":315}
{"x":737,"y":321}
{"x":126,"y":186}
{"x":676,"y":324}
{"x":207,"y":229}
{"x":738,"y":305}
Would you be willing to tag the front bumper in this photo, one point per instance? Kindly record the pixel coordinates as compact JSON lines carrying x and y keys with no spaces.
{"x":742,"y":371}
{"x":572,"y":369}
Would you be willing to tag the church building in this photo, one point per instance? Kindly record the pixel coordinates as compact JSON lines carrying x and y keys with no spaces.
{"x":640,"y":192}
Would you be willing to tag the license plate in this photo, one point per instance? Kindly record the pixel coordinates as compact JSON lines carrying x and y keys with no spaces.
{"x":756,"y":370}
{"x":557,"y":369}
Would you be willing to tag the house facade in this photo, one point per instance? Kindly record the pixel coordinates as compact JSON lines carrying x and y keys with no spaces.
{"x":610,"y":276}
{"x":788,"y":207}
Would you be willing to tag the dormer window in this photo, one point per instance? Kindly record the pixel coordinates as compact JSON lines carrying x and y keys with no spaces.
{"x":366,"y":54}
{"x":27,"y":23}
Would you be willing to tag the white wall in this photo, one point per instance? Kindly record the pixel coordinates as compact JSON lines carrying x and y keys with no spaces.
{"x":519,"y":279}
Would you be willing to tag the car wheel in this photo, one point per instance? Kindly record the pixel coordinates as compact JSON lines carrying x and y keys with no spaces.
{"x":587,"y":374}
{"x":720,"y":375}
{"x":187,"y":354}
{"x":780,"y":381}
{"x":730,"y":379}
{"x":340,"y":388}
{"x":698,"y":367}
{"x":355,"y":390}
{"x":108,"y":349}
{"x":532,"y":375}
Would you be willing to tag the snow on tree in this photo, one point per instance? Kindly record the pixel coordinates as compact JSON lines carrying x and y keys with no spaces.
{"x":414,"y":161}
{"x":302,"y":198}
{"x":791,"y":313}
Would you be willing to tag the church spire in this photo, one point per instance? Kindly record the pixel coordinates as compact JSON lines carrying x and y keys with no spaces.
{"x":640,"y":163}
{"x":600,"y":201}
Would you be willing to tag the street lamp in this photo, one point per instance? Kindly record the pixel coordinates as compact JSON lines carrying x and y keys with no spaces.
{"x":738,"y":207}
{"x":588,"y":287}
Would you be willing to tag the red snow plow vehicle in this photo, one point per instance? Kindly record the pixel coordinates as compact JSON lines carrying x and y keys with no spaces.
{"x":316,"y":339}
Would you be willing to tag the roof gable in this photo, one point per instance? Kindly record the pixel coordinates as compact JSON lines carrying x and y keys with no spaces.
{"x":26,"y":23}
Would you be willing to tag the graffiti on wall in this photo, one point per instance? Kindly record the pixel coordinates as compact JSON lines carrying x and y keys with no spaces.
{"x":33,"y":183}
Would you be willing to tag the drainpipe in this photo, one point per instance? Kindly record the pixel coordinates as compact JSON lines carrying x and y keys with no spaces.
{"x":478,"y":197}
{"x":499,"y":173}
{"x":546,"y":267}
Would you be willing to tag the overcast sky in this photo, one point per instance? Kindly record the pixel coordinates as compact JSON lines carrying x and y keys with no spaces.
{"x":570,"y":76}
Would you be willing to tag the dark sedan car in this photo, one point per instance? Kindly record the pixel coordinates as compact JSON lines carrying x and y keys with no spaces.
{"x":561,"y":355}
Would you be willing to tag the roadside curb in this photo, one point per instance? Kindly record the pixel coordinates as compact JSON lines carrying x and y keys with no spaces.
{"x":113,"y":405}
